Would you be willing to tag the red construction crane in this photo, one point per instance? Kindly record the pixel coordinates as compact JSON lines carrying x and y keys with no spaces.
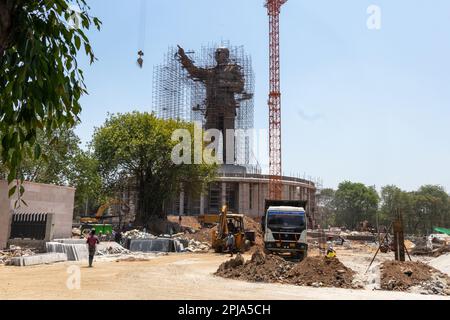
{"x":275,"y":171}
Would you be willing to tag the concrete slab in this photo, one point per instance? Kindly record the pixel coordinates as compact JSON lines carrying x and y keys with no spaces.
{"x":156,"y":245}
{"x":74,"y":252}
{"x":70,"y":241}
{"x":38,"y":259}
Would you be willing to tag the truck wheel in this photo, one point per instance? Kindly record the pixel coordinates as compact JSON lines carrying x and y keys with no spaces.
{"x":247,"y":245}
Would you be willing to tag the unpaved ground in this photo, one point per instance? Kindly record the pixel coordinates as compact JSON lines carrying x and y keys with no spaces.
{"x":176,"y":276}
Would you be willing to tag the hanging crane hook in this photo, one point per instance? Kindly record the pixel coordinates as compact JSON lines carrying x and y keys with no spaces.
{"x":140,"y":60}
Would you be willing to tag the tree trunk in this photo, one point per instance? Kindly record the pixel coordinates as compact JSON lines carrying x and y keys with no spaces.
{"x":6,"y":24}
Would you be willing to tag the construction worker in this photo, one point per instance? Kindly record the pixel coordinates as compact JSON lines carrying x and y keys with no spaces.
{"x":230,"y":241}
{"x":92,"y":242}
{"x":331,"y":253}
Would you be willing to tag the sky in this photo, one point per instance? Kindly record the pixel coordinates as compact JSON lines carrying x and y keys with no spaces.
{"x":358,"y":104}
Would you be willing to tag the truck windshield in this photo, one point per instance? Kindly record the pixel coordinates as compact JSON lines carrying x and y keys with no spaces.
{"x":286,"y":220}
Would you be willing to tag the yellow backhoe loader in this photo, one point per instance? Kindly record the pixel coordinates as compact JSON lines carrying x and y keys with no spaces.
{"x":234,"y":223}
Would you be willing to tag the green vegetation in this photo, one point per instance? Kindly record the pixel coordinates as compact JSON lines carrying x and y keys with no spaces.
{"x":353,"y":203}
{"x":135,"y":148}
{"x":40,"y":81}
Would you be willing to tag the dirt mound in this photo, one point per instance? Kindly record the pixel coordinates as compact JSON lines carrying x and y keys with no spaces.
{"x":321,"y":271}
{"x":404,"y":276}
{"x":312,"y":271}
{"x":202,"y":235}
{"x":260,"y":268}
{"x":253,"y":225}
{"x":186,"y":221}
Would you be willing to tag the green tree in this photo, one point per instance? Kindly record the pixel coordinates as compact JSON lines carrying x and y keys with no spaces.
{"x":137,"y":147}
{"x":394,"y":200}
{"x":65,"y":163}
{"x":40,"y":80}
{"x":355,"y":203}
{"x":431,"y":209}
{"x":59,"y":150}
{"x":84,"y":175}
{"x":326,"y":206}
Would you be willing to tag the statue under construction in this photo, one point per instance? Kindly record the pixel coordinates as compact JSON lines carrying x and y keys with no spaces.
{"x":222,"y":83}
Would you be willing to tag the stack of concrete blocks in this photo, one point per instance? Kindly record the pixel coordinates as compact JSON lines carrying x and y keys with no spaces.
{"x":76,"y":250}
{"x":156,"y":245}
{"x":44,"y":258}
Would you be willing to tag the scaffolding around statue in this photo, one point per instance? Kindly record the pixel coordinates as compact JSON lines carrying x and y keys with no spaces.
{"x":177,"y":96}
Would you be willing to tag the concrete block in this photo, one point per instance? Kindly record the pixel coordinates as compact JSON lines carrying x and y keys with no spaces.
{"x":74,"y":252}
{"x":38,"y":259}
{"x":156,"y":245}
{"x":70,"y":241}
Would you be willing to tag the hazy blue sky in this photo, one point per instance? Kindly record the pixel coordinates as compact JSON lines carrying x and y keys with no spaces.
{"x":358,"y":104}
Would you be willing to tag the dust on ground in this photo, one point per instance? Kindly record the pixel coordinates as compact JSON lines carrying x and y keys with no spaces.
{"x":312,"y":271}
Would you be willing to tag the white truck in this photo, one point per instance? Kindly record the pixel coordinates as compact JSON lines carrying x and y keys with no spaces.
{"x":285,"y":228}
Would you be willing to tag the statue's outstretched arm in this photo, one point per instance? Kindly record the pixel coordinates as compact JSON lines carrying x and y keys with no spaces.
{"x":238,"y":85}
{"x":187,"y":63}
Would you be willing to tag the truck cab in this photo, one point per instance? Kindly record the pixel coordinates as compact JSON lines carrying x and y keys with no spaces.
{"x":285,"y":229}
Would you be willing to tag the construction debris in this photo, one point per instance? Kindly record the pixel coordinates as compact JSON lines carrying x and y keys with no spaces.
{"x":197,"y":246}
{"x":76,"y":232}
{"x":414,"y":277}
{"x":14,"y":251}
{"x":136,"y":234}
{"x":111,"y":248}
{"x":312,"y":271}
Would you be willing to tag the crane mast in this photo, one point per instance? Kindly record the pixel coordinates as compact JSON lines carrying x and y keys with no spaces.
{"x":275,"y":168}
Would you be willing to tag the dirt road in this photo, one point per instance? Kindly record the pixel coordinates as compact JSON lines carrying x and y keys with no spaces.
{"x":177,"y":276}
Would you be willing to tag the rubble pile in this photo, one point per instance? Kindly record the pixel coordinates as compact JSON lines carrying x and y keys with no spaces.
{"x":76,"y":232}
{"x":197,"y":246}
{"x":415,"y":277}
{"x":434,"y":245}
{"x":312,"y":271}
{"x":201,"y":235}
{"x":111,"y":248}
{"x":13,"y":252}
{"x":137,"y":235}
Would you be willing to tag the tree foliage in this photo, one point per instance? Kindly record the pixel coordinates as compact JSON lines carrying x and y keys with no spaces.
{"x":355,"y":203}
{"x":40,"y":81}
{"x":136,"y":147}
{"x":422,"y":210}
{"x":326,"y":206}
{"x":63,"y":163}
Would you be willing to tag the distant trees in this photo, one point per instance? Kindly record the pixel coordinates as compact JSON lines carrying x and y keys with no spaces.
{"x":353,"y":203}
{"x":63,"y":162}
{"x":326,"y":206}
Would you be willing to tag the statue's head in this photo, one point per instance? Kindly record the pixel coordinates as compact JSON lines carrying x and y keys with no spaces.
{"x":222,"y":55}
